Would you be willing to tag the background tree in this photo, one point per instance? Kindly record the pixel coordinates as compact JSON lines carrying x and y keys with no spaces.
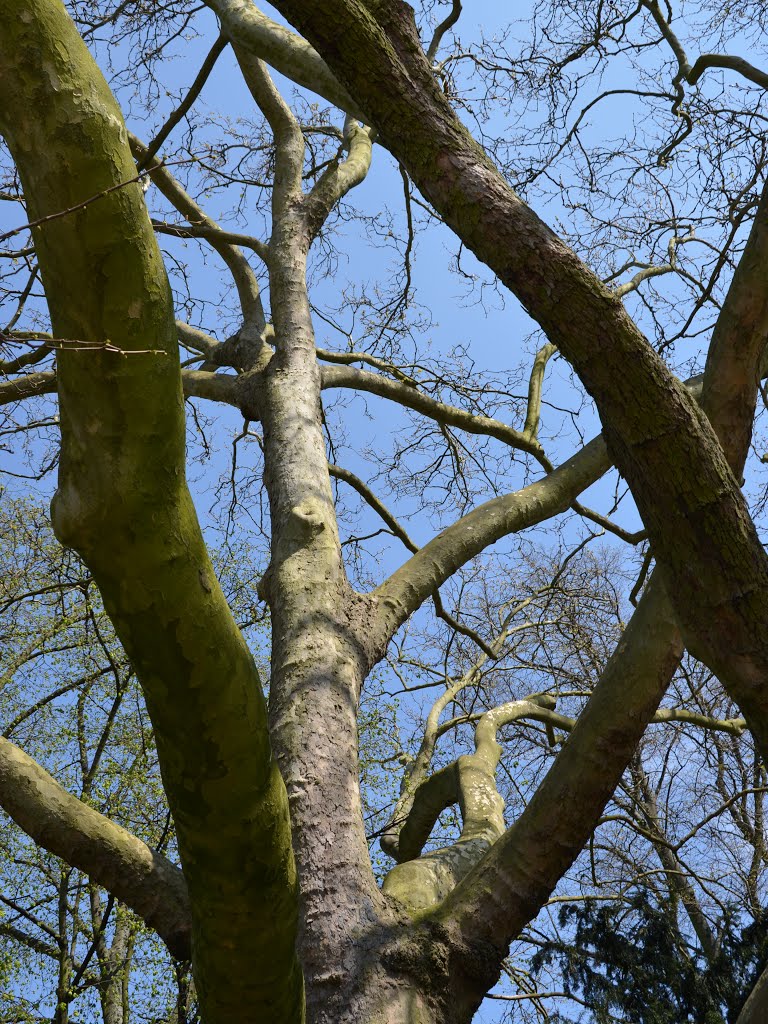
{"x":272,"y":830}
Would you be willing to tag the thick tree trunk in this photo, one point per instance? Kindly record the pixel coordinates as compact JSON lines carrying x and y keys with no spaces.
{"x":318,"y":663}
{"x":123,"y":503}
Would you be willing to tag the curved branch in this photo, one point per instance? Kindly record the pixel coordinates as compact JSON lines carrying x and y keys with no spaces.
{"x":143,"y":879}
{"x":445,"y":25}
{"x":450,"y":415}
{"x":471,"y":780}
{"x":217,"y":234}
{"x":286,"y":52}
{"x":722,"y":60}
{"x":535,"y":383}
{"x":341,"y":176}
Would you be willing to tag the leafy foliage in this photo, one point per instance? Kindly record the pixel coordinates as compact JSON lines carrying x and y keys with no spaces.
{"x":632,"y":958}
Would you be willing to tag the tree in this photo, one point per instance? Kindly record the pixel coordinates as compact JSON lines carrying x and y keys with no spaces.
{"x":275,"y":865}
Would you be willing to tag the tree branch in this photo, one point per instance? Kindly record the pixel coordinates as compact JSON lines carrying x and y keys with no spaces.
{"x":722,"y":60}
{"x":653,"y":430}
{"x":123,"y":503}
{"x":246,"y":282}
{"x":410,"y":585}
{"x":143,"y":879}
{"x":450,"y":415}
{"x":186,"y":105}
{"x":286,"y":52}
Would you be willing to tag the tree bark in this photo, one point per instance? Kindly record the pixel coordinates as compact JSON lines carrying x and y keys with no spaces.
{"x":123,"y":503}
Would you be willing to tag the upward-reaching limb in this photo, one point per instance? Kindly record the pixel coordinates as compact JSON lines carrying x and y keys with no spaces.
{"x":123,"y":503}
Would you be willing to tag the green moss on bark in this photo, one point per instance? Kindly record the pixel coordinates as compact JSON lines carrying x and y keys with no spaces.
{"x":123,"y":503}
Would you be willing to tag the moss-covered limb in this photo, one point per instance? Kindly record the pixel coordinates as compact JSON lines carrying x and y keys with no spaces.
{"x":451,"y":415}
{"x":123,"y":503}
{"x":288,"y":53}
{"x":102,"y":272}
{"x":698,"y":521}
{"x":736,"y":351}
{"x":143,"y":879}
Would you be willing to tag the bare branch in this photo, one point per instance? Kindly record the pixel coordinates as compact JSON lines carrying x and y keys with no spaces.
{"x":186,"y":105}
{"x":411,"y":398}
{"x":242,"y":273}
{"x":722,"y":60}
{"x":445,"y":26}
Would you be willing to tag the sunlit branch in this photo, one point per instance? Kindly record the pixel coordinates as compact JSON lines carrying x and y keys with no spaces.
{"x":648,"y":271}
{"x":212,"y":234}
{"x":470,"y":781}
{"x":341,"y":176}
{"x":347,"y":358}
{"x":27,"y":386}
{"x":535,"y":383}
{"x":285,"y":51}
{"x":289,"y":141}
{"x":143,"y":879}
{"x":416,"y":771}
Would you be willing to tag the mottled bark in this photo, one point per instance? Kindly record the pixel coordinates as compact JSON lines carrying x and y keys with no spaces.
{"x":318,"y":660}
{"x":755,"y":1009}
{"x":123,"y":503}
